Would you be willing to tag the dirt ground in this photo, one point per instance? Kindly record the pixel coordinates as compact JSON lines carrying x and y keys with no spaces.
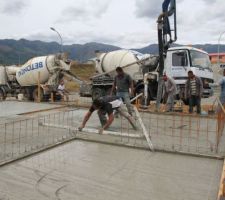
{"x":83,"y":72}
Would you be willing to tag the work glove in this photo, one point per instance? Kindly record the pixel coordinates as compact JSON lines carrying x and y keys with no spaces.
{"x":80,"y":128}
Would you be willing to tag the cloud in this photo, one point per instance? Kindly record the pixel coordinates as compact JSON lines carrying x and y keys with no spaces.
{"x":127,"y":23}
{"x":207,"y":16}
{"x":146,"y":8}
{"x":214,"y":10}
{"x":13,"y":7}
{"x":38,"y":35}
{"x":150,"y":8}
{"x":123,"y":40}
{"x":209,"y":1}
{"x":195,"y":24}
{"x":85,"y":10}
{"x":82,"y":37}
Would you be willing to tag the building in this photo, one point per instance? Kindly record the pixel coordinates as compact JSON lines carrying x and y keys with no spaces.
{"x":214,"y":58}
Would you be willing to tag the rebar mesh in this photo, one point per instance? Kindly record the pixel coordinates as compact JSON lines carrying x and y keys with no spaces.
{"x":174,"y":132}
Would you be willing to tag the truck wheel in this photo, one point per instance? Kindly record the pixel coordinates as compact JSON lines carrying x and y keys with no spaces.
{"x":108,"y":91}
{"x":186,"y":101}
{"x":97,"y":92}
{"x":35,"y":94}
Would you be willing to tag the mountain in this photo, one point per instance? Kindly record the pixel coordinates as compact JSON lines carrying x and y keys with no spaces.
{"x":19,"y":51}
{"x":87,"y":51}
{"x":210,"y":48}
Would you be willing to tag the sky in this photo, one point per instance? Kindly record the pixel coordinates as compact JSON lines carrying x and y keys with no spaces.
{"x":123,"y":23}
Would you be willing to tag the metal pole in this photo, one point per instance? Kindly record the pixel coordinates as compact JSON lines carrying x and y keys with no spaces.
{"x":61,"y":48}
{"x":218,"y":50}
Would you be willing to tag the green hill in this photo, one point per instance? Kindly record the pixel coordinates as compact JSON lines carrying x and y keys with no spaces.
{"x":19,"y":51}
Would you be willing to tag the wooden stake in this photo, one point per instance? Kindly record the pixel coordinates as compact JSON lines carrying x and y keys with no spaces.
{"x":52,"y":97}
{"x":39,"y":88}
{"x":219,"y":102}
{"x":92,"y":130}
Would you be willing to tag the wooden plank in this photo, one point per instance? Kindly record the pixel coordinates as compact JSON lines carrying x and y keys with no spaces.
{"x":52,"y":97}
{"x":144,"y":129}
{"x":221,"y":188}
{"x":221,"y":106}
{"x":39,"y":88}
{"x":92,"y":130}
{"x":139,"y":95}
{"x":44,"y":110}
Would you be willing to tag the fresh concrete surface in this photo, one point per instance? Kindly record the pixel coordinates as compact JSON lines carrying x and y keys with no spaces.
{"x":169,"y":132}
{"x":84,"y":171}
{"x":9,"y":108}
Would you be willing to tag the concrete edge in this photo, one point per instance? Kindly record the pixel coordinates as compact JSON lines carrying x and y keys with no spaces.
{"x":108,"y":139}
{"x":221,"y":185}
{"x":43,"y":110}
{"x":83,"y":137}
{"x":34,"y":152}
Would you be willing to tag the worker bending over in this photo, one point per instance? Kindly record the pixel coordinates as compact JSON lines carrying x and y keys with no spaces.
{"x":105,"y":107}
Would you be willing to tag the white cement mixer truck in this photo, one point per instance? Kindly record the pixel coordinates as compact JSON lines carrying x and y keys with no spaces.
{"x":45,"y":70}
{"x":143,"y":68}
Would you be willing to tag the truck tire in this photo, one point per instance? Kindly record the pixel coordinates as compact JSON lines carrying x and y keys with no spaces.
{"x":28,"y":93}
{"x":97,"y":92}
{"x":186,"y":101}
{"x":108,"y":91}
{"x":35,"y":94}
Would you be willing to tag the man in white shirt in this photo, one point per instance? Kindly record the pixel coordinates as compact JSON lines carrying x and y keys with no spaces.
{"x":62,"y":91}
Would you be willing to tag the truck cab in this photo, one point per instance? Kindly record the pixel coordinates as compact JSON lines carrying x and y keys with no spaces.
{"x":180,"y":60}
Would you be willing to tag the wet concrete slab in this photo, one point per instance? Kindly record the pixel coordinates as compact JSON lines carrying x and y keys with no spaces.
{"x":12,"y":108}
{"x":83,"y":170}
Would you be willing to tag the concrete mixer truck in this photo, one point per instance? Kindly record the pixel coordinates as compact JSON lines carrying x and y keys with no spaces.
{"x":46,"y":70}
{"x":143,"y":68}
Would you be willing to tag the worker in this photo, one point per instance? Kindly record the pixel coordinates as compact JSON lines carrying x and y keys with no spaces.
{"x":123,"y":84}
{"x":221,"y":83}
{"x":62,"y":91}
{"x":46,"y":91}
{"x":169,"y":92}
{"x":193,"y":92}
{"x":106,"y":105}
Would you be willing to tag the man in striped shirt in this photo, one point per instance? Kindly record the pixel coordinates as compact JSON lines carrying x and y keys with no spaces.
{"x":193,"y":92}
